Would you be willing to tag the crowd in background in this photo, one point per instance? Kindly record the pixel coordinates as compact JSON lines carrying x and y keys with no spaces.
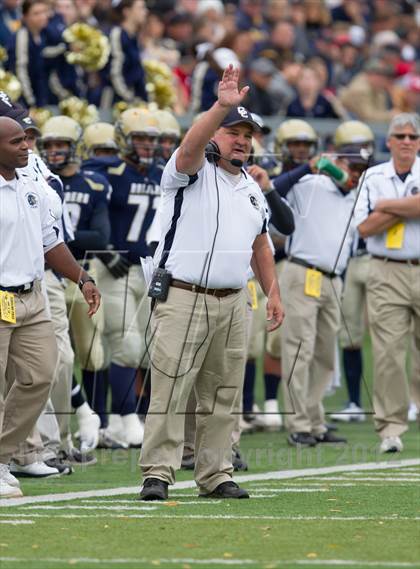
{"x":301,"y":58}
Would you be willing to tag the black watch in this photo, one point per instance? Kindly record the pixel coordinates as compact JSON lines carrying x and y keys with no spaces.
{"x":88,"y":279}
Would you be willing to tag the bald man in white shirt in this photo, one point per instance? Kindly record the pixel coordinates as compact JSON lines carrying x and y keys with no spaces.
{"x":28,"y":238}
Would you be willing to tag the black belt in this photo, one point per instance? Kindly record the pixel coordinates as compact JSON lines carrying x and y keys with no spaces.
{"x":405,"y":261}
{"x":21,"y":289}
{"x":217,"y":292}
{"x":303,"y":263}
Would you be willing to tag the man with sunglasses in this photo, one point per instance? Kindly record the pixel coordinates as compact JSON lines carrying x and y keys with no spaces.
{"x":388,"y":217}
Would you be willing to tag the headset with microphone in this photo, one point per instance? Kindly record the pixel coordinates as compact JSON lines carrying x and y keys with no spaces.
{"x":212,"y":153}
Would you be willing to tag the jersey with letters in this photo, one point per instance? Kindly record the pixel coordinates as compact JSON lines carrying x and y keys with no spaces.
{"x":134,"y":201}
{"x":87,"y":195}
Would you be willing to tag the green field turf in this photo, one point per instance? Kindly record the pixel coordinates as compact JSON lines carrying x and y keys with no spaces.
{"x":366,"y":517}
{"x":339,"y":518}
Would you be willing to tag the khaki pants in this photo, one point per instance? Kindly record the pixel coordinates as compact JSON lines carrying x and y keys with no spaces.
{"x":273,"y":340}
{"x":200,"y":349}
{"x":308,"y":342}
{"x":258,"y":330}
{"x":354,"y":302}
{"x":86,"y":333}
{"x":190,"y":413}
{"x":393,"y":297}
{"x":61,"y":388}
{"x":31,"y":347}
{"x":127,"y":311}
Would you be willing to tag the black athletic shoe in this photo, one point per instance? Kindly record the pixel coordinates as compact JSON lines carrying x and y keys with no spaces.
{"x":61,"y":465}
{"x":239,"y":464}
{"x":301,"y":439}
{"x":329,"y":437}
{"x":188,"y":462}
{"x":74,"y":456}
{"x":227,"y":490}
{"x":154,"y":489}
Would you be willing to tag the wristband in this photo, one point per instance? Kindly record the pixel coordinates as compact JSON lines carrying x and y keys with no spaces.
{"x":88,"y":279}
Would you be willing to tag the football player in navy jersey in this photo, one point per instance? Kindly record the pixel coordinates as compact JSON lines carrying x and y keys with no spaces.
{"x":99,"y":149}
{"x":135,"y":179}
{"x":86,"y":194}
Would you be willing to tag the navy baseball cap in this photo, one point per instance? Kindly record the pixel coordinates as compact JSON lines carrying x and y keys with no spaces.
{"x":16,"y":112}
{"x":239,"y":115}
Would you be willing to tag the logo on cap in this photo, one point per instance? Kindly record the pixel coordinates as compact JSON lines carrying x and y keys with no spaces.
{"x":243,"y":112}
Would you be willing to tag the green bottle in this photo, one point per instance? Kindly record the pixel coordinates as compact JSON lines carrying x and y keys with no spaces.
{"x":325,"y":166}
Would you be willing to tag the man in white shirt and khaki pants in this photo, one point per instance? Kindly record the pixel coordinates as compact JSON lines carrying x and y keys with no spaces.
{"x":388,"y":217}
{"x":214,"y":226}
{"x":28,"y":237}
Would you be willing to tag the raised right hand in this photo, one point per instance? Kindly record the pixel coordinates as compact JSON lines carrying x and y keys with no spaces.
{"x":228,"y":91}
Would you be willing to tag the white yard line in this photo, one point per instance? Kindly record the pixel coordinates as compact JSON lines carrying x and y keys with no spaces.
{"x":221,"y":561}
{"x":367,"y":479}
{"x":279,"y":475}
{"x":16,"y":522}
{"x":221,"y":517}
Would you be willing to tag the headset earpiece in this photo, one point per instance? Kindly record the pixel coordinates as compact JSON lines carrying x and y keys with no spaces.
{"x":212,"y":152}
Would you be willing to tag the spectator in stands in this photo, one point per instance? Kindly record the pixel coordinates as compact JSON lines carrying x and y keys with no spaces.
{"x":407,"y":94}
{"x":282,"y":45}
{"x":250,"y":17}
{"x":282,"y":86}
{"x":179,"y":28}
{"x":207,"y":75}
{"x":25,"y":55}
{"x":240,"y":42}
{"x":154,"y":44}
{"x":126,"y":71}
{"x":310,"y":102}
{"x":260,"y":74}
{"x":349,"y":62}
{"x":367,"y":97}
{"x":64,"y":79}
{"x":10,"y":20}
{"x":351,"y":12}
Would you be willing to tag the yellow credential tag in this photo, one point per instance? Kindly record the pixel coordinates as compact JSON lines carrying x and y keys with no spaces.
{"x":7,"y":307}
{"x":313,"y":283}
{"x":395,"y":236}
{"x":253,"y":294}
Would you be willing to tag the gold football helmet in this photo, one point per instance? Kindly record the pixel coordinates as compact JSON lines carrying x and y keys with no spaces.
{"x":295,"y":130}
{"x":353,"y":136}
{"x":136,"y":134}
{"x":170,"y":133}
{"x":99,"y":136}
{"x":60,"y":129}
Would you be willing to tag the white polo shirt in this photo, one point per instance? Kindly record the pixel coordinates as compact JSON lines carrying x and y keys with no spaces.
{"x":189,"y":222}
{"x":27,"y":230}
{"x":382,"y":182}
{"x":38,"y":171}
{"x":324,"y":227}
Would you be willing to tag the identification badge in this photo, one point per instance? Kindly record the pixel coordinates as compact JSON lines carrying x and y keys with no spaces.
{"x":313,"y":283}
{"x":395,"y":236}
{"x":253,"y":294}
{"x":7,"y":307}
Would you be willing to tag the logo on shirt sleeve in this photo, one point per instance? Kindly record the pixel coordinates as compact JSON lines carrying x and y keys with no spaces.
{"x":32,"y":199}
{"x":254,"y":201}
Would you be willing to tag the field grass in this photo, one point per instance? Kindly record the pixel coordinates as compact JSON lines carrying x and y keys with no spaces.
{"x":340,"y":506}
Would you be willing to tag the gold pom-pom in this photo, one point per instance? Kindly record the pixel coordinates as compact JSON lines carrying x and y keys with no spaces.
{"x":79,"y":110}
{"x":89,"y":47}
{"x":40,"y":115}
{"x":159,"y":83}
{"x":10,"y":84}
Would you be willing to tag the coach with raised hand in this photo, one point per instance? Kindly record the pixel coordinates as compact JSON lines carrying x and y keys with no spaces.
{"x":28,"y":238}
{"x":214,"y":224}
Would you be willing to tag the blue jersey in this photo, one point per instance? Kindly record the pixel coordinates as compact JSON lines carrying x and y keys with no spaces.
{"x":135,"y":198}
{"x":100,"y":164}
{"x":87,"y":195}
